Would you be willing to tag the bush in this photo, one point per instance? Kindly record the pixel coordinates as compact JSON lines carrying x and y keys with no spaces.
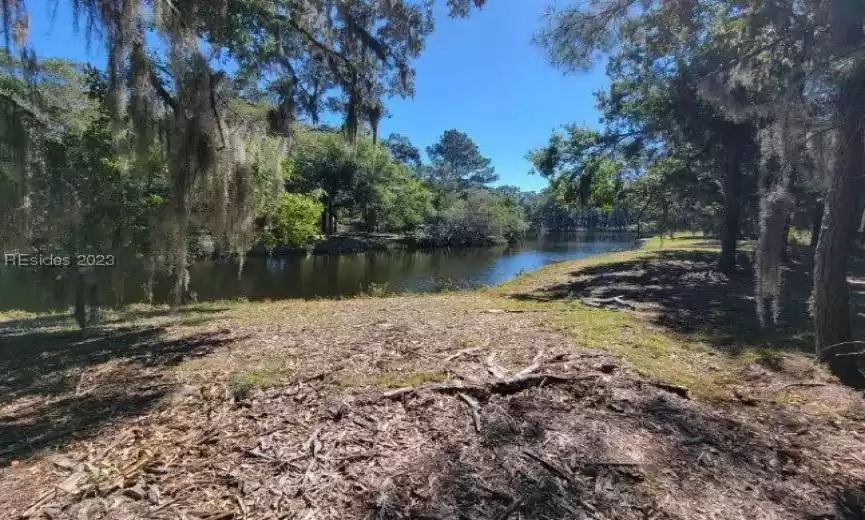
{"x":482,"y":217}
{"x":293,"y":221}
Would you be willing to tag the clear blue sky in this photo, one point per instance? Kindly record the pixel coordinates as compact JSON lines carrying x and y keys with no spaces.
{"x":480,"y":75}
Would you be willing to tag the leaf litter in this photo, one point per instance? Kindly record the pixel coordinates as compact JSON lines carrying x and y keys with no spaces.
{"x":531,"y":429}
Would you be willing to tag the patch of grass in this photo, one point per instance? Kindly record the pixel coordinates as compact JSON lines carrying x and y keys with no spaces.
{"x":245,"y":382}
{"x":282,"y":311}
{"x":192,"y":320}
{"x":789,"y":398}
{"x":652,"y":353}
{"x":800,"y":236}
{"x":692,"y":359}
{"x":17,"y":314}
{"x":393,"y":379}
{"x":377,"y":290}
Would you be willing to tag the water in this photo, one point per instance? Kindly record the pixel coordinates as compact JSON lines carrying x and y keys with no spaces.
{"x":329,"y":276}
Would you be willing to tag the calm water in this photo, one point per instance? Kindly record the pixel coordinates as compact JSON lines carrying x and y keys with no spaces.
{"x":330,"y":276}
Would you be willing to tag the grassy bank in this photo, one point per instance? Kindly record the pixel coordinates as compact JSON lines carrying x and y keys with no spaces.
{"x":643,"y":387}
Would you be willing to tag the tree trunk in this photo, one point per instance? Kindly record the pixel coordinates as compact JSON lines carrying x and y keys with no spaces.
{"x":831,"y":296}
{"x":80,"y":299}
{"x":181,"y":274}
{"x":150,"y":269}
{"x":817,"y":223}
{"x":93,"y":302}
{"x":730,"y":228}
{"x":328,"y":219}
{"x":785,"y":249}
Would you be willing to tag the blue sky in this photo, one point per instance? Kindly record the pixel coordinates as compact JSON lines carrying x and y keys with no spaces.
{"x":480,"y":75}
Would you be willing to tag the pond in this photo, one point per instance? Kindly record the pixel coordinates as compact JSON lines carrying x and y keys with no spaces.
{"x":329,"y":276}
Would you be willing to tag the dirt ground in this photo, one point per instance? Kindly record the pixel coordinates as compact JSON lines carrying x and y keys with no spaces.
{"x":532,"y":401}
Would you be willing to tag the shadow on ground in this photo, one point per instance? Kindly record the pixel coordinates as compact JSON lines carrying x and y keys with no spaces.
{"x":535,"y":456}
{"x":59,"y":383}
{"x":686,"y":292}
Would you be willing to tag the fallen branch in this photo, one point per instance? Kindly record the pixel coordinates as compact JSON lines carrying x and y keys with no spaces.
{"x":682,"y":391}
{"x":463,"y":352}
{"x":552,"y":468}
{"x":320,"y":376}
{"x":519,"y":383}
{"x":473,"y":409}
{"x":37,"y":506}
{"x":398,"y":393}
{"x":824,"y":352}
{"x":497,"y":371}
{"x":522,"y":311}
{"x":805,"y":385}
{"x":617,"y":301}
{"x":534,"y":367}
{"x":228,"y":515}
{"x":506,"y":386}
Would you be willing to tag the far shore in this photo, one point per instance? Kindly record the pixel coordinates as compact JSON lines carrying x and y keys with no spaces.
{"x":350,"y":242}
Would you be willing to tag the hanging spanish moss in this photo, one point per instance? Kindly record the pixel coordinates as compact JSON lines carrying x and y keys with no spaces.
{"x":775,"y":208}
{"x":170,"y":111}
{"x":782,"y":143}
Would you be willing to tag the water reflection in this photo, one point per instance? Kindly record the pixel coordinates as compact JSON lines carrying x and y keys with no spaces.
{"x":328,"y":276}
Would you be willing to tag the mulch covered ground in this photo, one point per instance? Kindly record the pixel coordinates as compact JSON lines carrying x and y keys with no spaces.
{"x":521,"y":424}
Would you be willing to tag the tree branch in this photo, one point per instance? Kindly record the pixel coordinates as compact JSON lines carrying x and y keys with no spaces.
{"x":160,"y":90}
{"x":39,"y":118}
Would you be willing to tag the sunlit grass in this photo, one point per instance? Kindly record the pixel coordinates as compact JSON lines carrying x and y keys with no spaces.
{"x":692,"y":360}
{"x":243,"y":383}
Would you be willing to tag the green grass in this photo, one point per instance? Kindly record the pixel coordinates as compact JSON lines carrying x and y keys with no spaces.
{"x":692,"y":360}
{"x":245,"y":382}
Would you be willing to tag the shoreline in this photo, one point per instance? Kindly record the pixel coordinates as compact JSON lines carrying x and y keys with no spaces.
{"x":352,"y":243}
{"x":573,"y":361}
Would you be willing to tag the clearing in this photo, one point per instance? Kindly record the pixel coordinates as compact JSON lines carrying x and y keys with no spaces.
{"x":635,"y":385}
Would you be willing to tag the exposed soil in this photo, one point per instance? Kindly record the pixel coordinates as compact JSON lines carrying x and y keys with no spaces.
{"x":447,"y":406}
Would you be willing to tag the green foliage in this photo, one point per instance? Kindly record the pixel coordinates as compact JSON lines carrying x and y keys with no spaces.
{"x":479,"y":217}
{"x":363,"y":182}
{"x":82,"y":196}
{"x":457,"y":162}
{"x":293,"y":220}
{"x":586,"y":170}
{"x":392,"y":198}
{"x":402,"y":150}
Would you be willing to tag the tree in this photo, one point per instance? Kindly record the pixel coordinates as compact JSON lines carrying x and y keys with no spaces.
{"x":361,"y":181}
{"x":403,"y":151}
{"x":831,"y":295}
{"x":172,"y":100}
{"x":325,"y":164}
{"x":656,"y":105}
{"x":781,"y":84}
{"x":391,"y":197}
{"x":292,"y":220}
{"x":482,"y":217}
{"x":457,"y":162}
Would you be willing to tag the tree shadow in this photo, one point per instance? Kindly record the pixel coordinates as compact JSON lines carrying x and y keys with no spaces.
{"x":851,"y":504}
{"x":685,"y":292}
{"x":133,"y":313}
{"x":552,"y":461}
{"x":59,"y":383}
